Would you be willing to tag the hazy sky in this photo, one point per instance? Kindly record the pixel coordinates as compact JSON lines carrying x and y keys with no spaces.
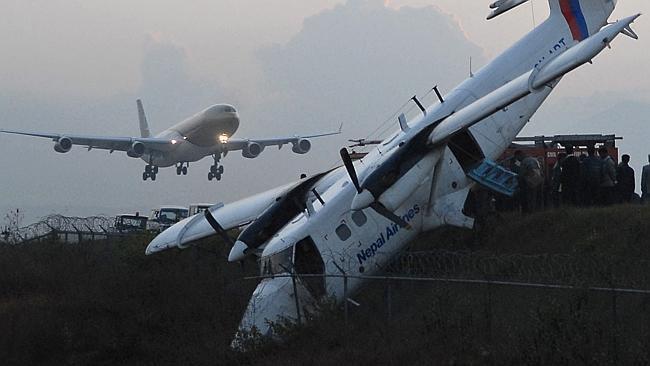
{"x":289,"y":67}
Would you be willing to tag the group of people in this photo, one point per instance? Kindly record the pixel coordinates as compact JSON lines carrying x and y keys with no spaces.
{"x":588,"y":180}
{"x":592,"y":179}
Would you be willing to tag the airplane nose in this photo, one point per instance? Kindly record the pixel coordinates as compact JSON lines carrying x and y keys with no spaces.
{"x":238,"y":251}
{"x":362,"y":200}
{"x":273,"y":301}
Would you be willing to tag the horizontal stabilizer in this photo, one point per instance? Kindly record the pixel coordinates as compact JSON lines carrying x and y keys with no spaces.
{"x":503,"y":6}
{"x":628,"y":31}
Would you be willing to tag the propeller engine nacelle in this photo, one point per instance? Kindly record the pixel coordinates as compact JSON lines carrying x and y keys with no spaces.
{"x":137,"y":150}
{"x":252,"y":150}
{"x":301,"y":146}
{"x":63,"y":145}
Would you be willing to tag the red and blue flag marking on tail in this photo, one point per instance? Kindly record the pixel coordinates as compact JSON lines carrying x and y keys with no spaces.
{"x":575,"y":18}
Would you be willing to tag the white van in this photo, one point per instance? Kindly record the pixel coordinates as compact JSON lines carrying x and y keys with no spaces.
{"x":165,"y":216}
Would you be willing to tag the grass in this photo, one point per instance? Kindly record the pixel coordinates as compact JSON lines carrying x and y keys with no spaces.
{"x":106,"y":303}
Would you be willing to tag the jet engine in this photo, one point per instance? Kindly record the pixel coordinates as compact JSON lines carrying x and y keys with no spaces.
{"x":301,"y":146}
{"x":252,"y":150}
{"x":136,"y":150}
{"x":63,"y":145}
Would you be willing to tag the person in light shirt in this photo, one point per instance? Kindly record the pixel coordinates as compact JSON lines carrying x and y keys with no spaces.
{"x":645,"y":182}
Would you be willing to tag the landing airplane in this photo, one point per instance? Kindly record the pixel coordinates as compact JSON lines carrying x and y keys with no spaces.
{"x":353,"y":219}
{"x":207,"y":133}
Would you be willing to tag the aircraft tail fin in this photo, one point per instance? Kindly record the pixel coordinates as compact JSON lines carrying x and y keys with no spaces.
{"x":583,"y":17}
{"x":144,"y":126}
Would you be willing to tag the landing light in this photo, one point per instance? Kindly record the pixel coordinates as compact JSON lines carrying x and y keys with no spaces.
{"x":174,"y":142}
{"x":223,"y":138}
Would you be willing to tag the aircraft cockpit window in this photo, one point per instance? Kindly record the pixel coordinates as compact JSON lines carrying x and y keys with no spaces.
{"x":277,"y":263}
{"x":343,"y":232}
{"x":228,"y":109}
{"x":359,"y":218}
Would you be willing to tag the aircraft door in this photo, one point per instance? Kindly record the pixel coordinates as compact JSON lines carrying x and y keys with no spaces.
{"x":308,"y":261}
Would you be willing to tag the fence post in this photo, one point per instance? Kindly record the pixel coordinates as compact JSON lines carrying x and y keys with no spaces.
{"x":488,"y":309}
{"x":295,"y":294}
{"x":345,"y":297}
{"x":345,"y":292}
{"x":389,"y":300}
{"x":614,"y":326}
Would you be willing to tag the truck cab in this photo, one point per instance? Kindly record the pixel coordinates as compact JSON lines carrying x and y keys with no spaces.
{"x":165,"y":216}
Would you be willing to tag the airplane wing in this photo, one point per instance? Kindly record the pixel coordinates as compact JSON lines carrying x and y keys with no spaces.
{"x":102,"y":142}
{"x":298,"y":142}
{"x":227,"y":216}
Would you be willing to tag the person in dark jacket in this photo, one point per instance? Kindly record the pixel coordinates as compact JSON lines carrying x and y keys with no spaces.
{"x":556,"y":180}
{"x":570,"y":178}
{"x":625,"y":178}
{"x":591,"y":171}
{"x":531,"y":182}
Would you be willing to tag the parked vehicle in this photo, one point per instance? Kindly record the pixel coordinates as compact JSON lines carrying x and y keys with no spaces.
{"x":165,"y":216}
{"x":199,"y":207}
{"x":129,"y":223}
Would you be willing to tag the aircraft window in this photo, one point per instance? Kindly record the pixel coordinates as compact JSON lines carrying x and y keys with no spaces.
{"x":343,"y":232}
{"x":359,"y":218}
{"x":228,"y":109}
{"x":277,"y":263}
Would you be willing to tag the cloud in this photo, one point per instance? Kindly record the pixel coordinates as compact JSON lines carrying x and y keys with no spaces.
{"x":358,"y":62}
{"x":169,"y":90}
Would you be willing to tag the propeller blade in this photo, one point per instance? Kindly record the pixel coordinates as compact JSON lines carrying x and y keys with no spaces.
{"x":382,"y":210}
{"x":347,"y":161}
{"x":217,"y":228}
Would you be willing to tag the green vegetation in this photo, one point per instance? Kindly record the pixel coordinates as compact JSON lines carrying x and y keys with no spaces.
{"x":106,"y":303}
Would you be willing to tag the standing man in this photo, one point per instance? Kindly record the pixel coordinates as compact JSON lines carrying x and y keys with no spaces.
{"x":531,"y":182}
{"x":625,"y":178}
{"x":570,"y":177}
{"x":608,"y":178}
{"x":645,"y":182}
{"x":591,"y":172}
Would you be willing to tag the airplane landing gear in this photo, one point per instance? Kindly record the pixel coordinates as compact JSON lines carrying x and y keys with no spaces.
{"x":180,"y":169}
{"x":150,"y":171}
{"x":216,"y":170}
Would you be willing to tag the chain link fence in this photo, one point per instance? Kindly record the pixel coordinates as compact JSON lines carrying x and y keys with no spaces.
{"x":571,"y":269}
{"x":63,"y":228}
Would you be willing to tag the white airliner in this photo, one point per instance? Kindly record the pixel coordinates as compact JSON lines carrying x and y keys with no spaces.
{"x":207,"y":133}
{"x":354,"y":219}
